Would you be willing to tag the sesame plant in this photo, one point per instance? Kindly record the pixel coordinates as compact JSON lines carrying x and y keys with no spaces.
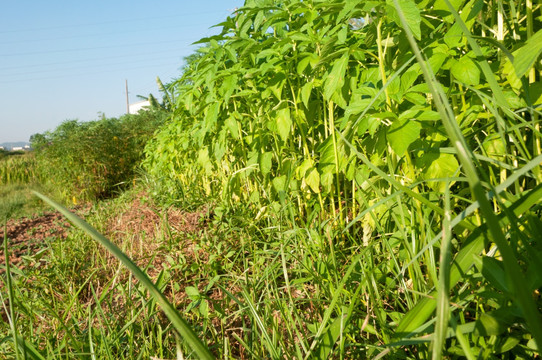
{"x":406,"y":131}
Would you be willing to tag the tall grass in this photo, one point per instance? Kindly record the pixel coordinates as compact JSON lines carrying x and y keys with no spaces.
{"x":177,"y":321}
{"x":18,"y":169}
{"x":71,"y":300}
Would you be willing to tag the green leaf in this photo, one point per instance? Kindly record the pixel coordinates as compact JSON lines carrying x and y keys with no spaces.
{"x":535,"y":91}
{"x":440,"y":5}
{"x":327,"y":156}
{"x":302,"y":64}
{"x":488,"y":324}
{"x":357,"y":106}
{"x":415,"y":98}
{"x":335,"y":79}
{"x":192,"y":292}
{"x":327,"y":178}
{"x":493,"y":271}
{"x":204,"y":309}
{"x":306,"y":93}
{"x":283,"y":123}
{"x":232,"y":126}
{"x":439,"y":166}
{"x":466,"y":71}
{"x":212,"y":114}
{"x":266,"y":162}
{"x":276,"y":85}
{"x":469,"y":12}
{"x":313,"y":180}
{"x":341,"y":35}
{"x":444,"y":166}
{"x":509,"y":344}
{"x":411,"y":13}
{"x":329,"y":338}
{"x":525,"y":57}
{"x":509,"y":72}
{"x":402,"y":133}
{"x":495,"y":146}
{"x":228,"y":87}
{"x":204,"y":161}
{"x":302,"y":169}
{"x":279,"y":183}
{"x":408,"y":79}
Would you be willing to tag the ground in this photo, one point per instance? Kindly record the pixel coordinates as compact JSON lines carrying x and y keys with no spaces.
{"x":28,"y":236}
{"x":158,"y":240}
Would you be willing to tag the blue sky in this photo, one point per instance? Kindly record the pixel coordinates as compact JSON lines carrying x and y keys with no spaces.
{"x":64,"y":59}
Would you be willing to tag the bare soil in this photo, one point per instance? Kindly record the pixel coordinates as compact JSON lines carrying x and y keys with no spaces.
{"x":141,"y":220}
{"x":27,"y":236}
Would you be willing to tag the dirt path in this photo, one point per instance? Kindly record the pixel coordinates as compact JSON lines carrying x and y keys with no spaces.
{"x":27,"y":236}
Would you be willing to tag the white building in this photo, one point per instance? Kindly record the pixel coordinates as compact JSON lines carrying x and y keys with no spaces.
{"x":138,"y":106}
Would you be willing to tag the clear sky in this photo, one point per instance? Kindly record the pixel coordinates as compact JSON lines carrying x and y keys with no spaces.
{"x":66,"y":59}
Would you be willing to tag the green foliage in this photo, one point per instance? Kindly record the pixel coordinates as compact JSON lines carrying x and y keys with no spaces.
{"x":318,"y":115}
{"x":91,"y":160}
{"x":374,"y":174}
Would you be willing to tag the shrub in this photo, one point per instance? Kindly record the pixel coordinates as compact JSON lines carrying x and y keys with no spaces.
{"x":91,"y":160}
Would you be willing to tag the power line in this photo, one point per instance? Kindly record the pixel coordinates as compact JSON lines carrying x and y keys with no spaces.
{"x":95,"y":66}
{"x":88,"y":73}
{"x":91,"y":48}
{"x":103,"y":34}
{"x":177,"y":50}
{"x":116,"y":21}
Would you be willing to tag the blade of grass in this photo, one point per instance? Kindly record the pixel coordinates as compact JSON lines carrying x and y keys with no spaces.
{"x":462,"y":341}
{"x":30,"y":352}
{"x":104,"y":323}
{"x":90,"y":340}
{"x":11,"y":297}
{"x":443,"y":301}
{"x":268,"y":342}
{"x":463,"y":261}
{"x":173,"y":315}
{"x":334,"y":300}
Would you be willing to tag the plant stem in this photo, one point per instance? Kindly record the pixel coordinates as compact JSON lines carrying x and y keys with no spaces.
{"x":11,"y":297}
{"x":331,"y":108}
{"x":381,"y":60}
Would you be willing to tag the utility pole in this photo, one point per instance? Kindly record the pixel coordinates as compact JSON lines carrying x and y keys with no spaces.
{"x":127,"y":101}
